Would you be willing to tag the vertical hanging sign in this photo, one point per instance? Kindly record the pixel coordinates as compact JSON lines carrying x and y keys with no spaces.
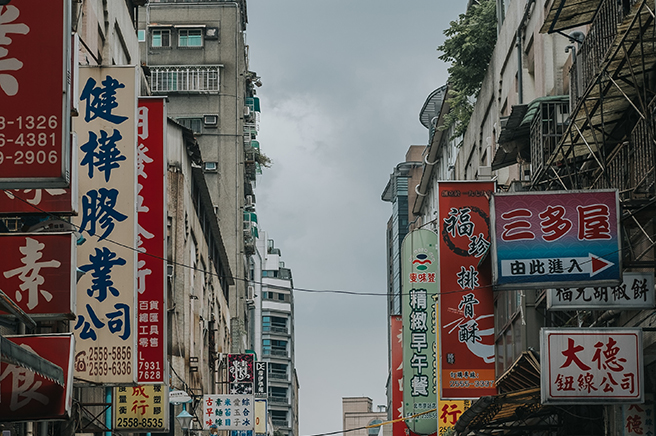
{"x":34,"y":101}
{"x":418,"y":305}
{"x":466,"y":299}
{"x":151,"y":242}
{"x":106,"y":129}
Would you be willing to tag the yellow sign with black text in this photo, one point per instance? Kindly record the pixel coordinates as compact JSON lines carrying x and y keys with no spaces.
{"x":141,"y":408}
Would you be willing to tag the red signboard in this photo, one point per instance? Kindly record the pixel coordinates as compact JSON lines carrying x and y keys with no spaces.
{"x":57,"y":201}
{"x":38,"y":272}
{"x":34,"y":101}
{"x":466,"y":298}
{"x":27,"y":396}
{"x":151,"y":266}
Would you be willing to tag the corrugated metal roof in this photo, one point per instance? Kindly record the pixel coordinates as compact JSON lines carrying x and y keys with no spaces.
{"x":566,"y":14}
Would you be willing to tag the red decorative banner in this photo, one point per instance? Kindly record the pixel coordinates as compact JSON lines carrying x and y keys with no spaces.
{"x":27,"y":396}
{"x":466,"y":298}
{"x":38,"y":273}
{"x":151,"y":242}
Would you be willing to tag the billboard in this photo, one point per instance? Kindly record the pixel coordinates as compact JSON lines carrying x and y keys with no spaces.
{"x":152,"y":365}
{"x":228,"y":412}
{"x":142,"y":408}
{"x":466,"y":298}
{"x":106,"y":297}
{"x":418,"y":309}
{"x":35,"y":107}
{"x":38,"y":273}
{"x":556,"y":239}
{"x":27,"y":396}
{"x":636,"y":291}
{"x":591,"y":365}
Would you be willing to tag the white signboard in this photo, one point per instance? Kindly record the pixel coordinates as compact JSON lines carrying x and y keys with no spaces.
{"x":638,"y":419}
{"x":635,"y":292}
{"x":587,"y":366}
{"x":229,"y":412}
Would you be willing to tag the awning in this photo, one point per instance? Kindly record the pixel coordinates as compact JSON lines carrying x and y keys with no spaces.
{"x":19,"y":356}
{"x":523,"y":374}
{"x":565,"y":14}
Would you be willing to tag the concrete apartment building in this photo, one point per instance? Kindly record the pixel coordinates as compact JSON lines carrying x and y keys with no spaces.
{"x":196,"y":55}
{"x":272,"y":321}
{"x":357,"y":413}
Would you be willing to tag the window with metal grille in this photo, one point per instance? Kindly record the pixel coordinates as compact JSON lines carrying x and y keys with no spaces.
{"x":188,"y":78}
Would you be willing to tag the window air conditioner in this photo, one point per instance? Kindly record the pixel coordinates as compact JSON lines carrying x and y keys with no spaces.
{"x":210,"y":120}
{"x":211,"y":167}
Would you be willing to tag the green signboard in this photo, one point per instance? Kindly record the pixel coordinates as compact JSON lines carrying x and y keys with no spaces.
{"x":419,"y":309}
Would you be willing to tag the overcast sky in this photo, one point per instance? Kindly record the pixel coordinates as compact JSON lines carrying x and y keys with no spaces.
{"x":343,"y":84}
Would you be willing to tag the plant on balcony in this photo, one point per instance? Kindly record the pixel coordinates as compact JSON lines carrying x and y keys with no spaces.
{"x":468,"y":47}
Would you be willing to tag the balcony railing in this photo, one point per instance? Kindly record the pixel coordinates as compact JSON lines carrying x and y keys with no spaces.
{"x":630,"y":167}
{"x":274,"y":375}
{"x":280,"y":423}
{"x":592,"y":53}
{"x":185,"y":78}
{"x":278,"y":400}
{"x":546,"y":131}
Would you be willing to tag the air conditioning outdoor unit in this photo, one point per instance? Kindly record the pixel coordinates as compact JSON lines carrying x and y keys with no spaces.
{"x":211,"y":167}
{"x":210,"y":120}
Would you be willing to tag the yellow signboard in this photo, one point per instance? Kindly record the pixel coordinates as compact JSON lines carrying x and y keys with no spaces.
{"x":141,"y":408}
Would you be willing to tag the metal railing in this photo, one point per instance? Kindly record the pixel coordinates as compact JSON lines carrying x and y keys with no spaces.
{"x":184,"y":78}
{"x":592,"y":53}
{"x":546,"y":131}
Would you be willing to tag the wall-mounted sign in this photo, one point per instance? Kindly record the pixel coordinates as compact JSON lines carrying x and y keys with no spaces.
{"x":261,"y":385}
{"x":466,"y":299}
{"x":58,"y":201}
{"x":27,"y":396}
{"x":241,"y":373}
{"x":418,"y":305}
{"x":152,"y":365}
{"x":105,"y":329}
{"x":37,"y":271}
{"x":638,"y":419}
{"x":34,"y":107}
{"x":261,"y":416}
{"x":142,"y":408}
{"x":635,"y":292}
{"x":587,"y":366}
{"x":556,"y":239}
{"x":228,"y":412}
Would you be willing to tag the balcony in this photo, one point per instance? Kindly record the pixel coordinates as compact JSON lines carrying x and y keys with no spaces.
{"x":275,"y":353}
{"x":278,"y":400}
{"x":201,"y":79}
{"x":280,"y":423}
{"x":277,"y":376}
{"x":546,"y":131}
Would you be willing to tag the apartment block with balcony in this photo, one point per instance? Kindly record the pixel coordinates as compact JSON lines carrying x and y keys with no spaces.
{"x":196,"y":55}
{"x":272,"y":331}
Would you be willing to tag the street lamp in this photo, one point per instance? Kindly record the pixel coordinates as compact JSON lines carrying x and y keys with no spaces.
{"x":184,"y":419}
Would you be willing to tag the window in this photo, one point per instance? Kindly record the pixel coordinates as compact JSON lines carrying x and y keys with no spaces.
{"x":278,"y":392}
{"x":274,"y":324}
{"x":278,"y":370}
{"x":161,"y":38}
{"x":193,"y":124}
{"x":190,"y":38}
{"x":141,"y":35}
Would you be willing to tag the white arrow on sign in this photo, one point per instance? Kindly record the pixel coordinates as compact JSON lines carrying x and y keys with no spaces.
{"x":591,"y":265}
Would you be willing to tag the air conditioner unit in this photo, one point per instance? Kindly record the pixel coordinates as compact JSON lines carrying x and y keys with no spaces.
{"x":247,"y":111}
{"x":250,"y":293}
{"x":211,"y":167}
{"x":484,"y":172}
{"x":210,"y":120}
{"x":249,"y":201}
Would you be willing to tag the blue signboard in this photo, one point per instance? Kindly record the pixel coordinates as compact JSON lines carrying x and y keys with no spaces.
{"x":555,"y":239}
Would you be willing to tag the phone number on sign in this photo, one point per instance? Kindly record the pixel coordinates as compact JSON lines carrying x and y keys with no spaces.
{"x":30,"y":134}
{"x":100,"y":361}
{"x":149,"y":371}
{"x":135,"y":423}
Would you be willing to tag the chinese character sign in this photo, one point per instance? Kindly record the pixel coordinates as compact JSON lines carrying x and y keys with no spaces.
{"x":240,"y":373}
{"x":151,"y":241}
{"x":57,"y":201}
{"x":38,"y":273}
{"x":228,"y":412}
{"x":34,"y":106}
{"x":106,"y":294}
{"x":636,"y":291}
{"x":638,"y":419}
{"x":27,"y":396}
{"x":466,"y":298}
{"x":418,"y":305}
{"x":586,"y":366}
{"x":142,"y":408}
{"x":261,"y":384}
{"x":552,"y":239}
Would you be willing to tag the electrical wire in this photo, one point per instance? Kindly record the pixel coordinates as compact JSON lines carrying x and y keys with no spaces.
{"x":380,"y":424}
{"x":270,"y":285}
